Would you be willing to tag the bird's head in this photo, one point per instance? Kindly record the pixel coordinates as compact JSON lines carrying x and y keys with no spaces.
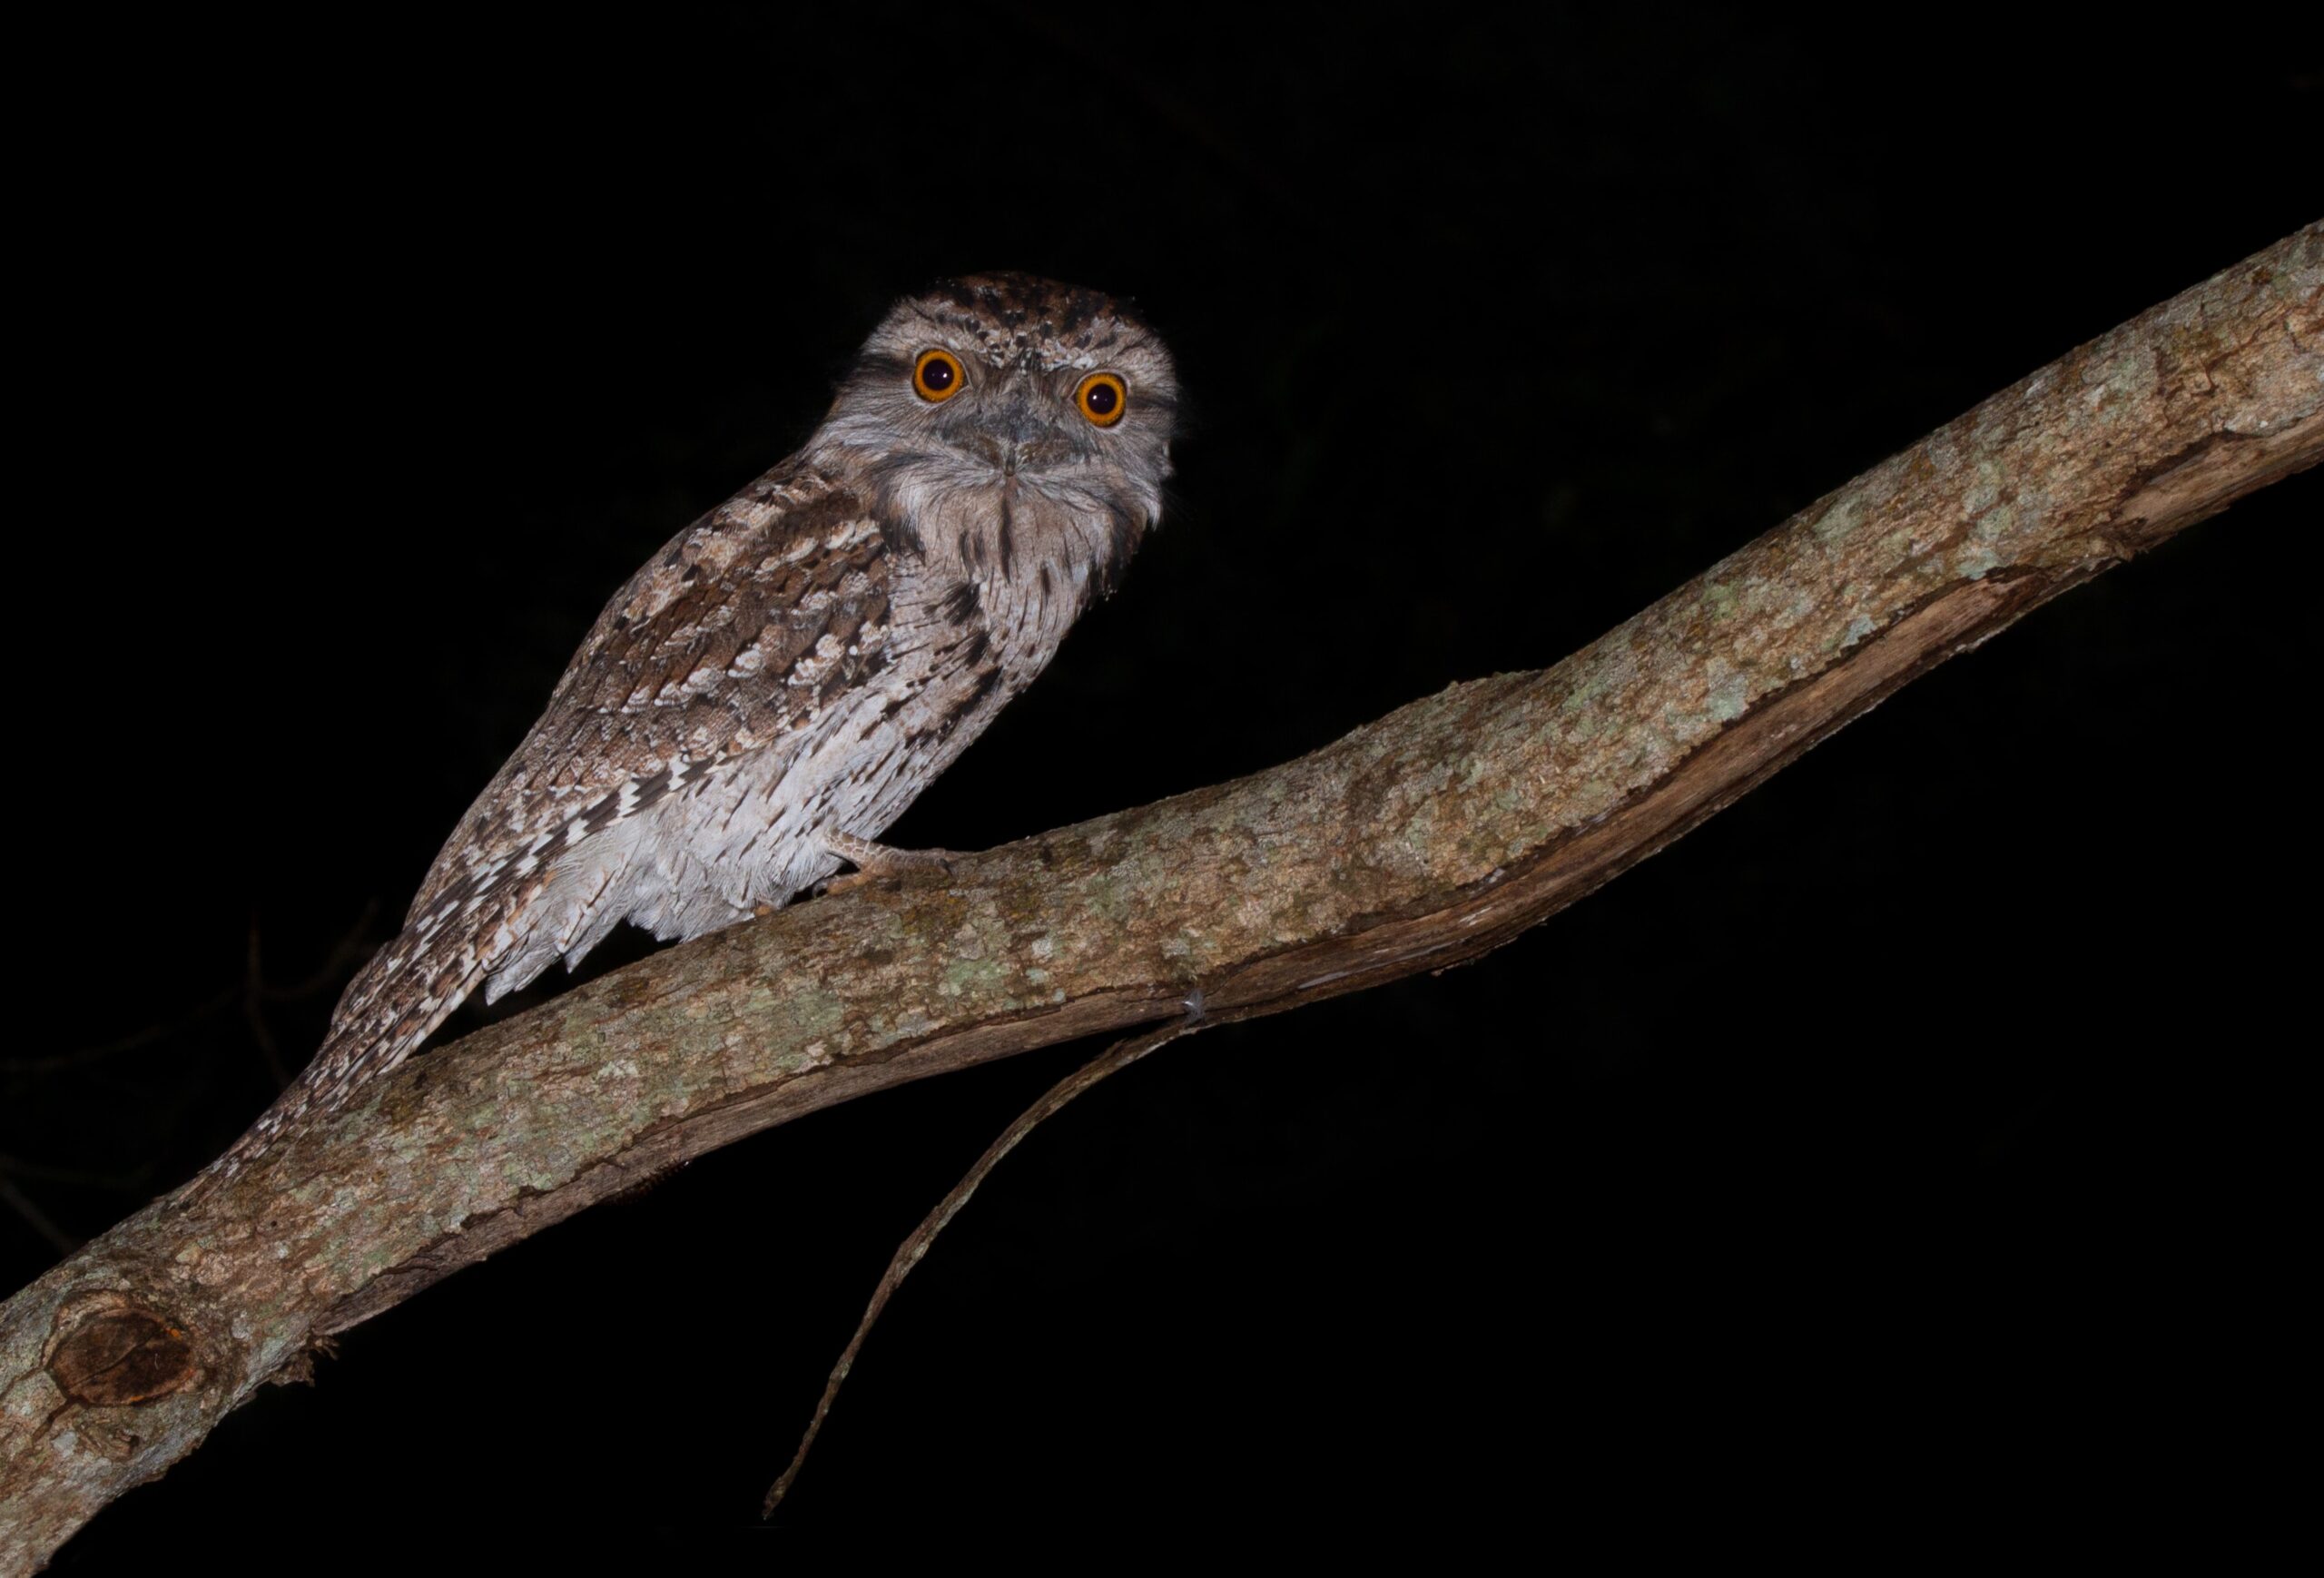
{"x":1007,"y":389}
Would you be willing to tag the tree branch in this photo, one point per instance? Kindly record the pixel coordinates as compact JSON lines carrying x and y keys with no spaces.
{"x":1418,"y":842}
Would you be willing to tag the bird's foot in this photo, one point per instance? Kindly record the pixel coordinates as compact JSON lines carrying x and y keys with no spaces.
{"x":877,"y":860}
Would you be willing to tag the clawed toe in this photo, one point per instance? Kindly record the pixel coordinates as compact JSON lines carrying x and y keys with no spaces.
{"x":877,"y":860}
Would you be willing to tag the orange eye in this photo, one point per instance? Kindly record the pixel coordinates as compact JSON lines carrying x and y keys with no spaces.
{"x":937,"y":375}
{"x":1103,"y":397}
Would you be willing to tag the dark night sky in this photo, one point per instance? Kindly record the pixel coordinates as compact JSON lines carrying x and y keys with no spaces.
{"x":1896,"y":1141}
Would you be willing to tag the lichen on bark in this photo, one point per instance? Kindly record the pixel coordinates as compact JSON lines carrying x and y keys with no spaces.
{"x":1421,"y":840}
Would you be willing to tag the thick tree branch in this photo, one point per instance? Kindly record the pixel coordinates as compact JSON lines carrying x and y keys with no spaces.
{"x":1419,"y":840}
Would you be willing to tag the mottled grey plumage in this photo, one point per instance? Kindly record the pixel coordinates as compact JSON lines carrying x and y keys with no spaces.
{"x":786,"y":676}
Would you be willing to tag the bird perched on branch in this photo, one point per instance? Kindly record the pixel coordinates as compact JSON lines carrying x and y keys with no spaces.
{"x":781,"y":680}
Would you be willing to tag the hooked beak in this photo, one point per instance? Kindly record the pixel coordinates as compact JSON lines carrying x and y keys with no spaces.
{"x":1020,"y":439}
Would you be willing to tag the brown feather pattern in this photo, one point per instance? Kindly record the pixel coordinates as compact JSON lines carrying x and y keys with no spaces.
{"x":792,"y":669}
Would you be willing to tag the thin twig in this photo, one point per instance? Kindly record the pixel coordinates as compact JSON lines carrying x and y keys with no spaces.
{"x":51,"y":1062}
{"x":354,"y":946}
{"x":350,"y":949}
{"x":254,"y":1016}
{"x":16,"y":1200}
{"x":909,"y":1254}
{"x":133,"y":1179}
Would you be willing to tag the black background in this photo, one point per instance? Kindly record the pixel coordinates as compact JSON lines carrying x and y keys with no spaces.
{"x":1893,"y":1151}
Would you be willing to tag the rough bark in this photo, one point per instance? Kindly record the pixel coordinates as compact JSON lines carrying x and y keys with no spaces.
{"x":1424,"y":839}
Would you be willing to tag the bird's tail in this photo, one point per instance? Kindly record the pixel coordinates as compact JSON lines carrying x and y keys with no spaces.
{"x":394,"y":1002}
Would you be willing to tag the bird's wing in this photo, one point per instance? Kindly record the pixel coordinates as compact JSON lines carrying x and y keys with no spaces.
{"x":736,"y":635}
{"x":730,"y":640}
